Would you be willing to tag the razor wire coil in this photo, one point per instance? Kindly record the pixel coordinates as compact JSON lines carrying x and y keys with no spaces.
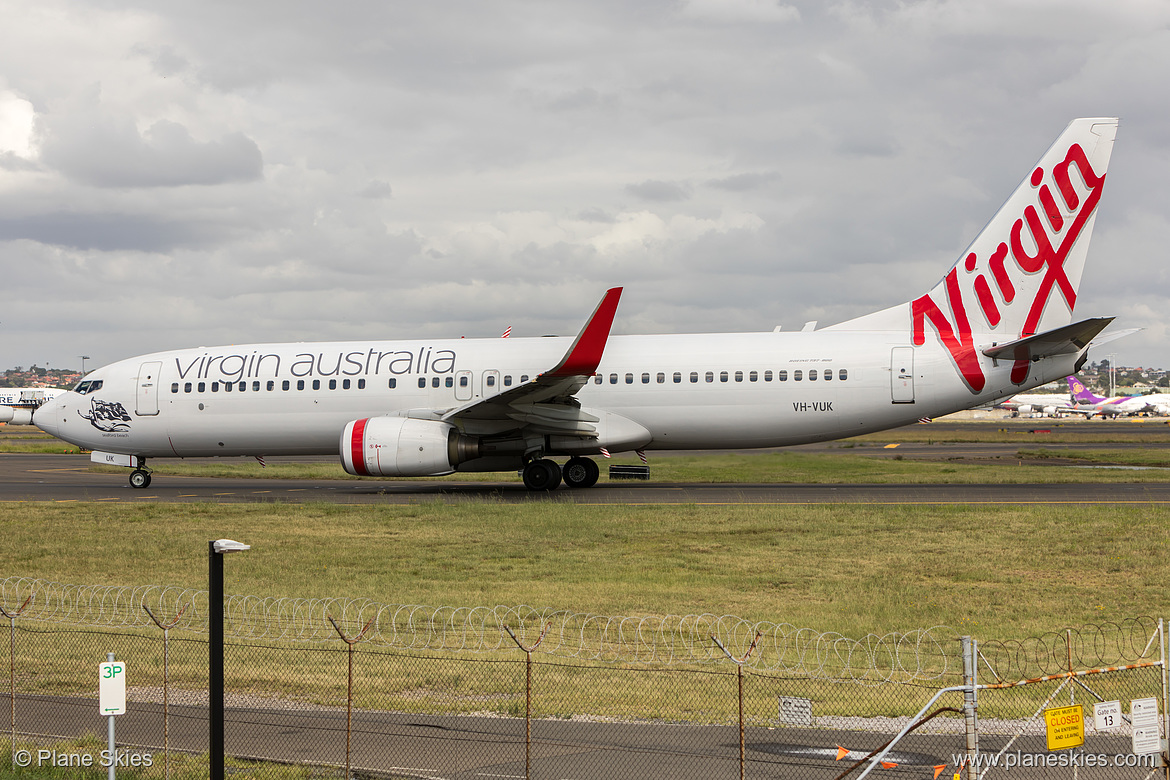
{"x":1086,"y":647}
{"x":913,"y":656}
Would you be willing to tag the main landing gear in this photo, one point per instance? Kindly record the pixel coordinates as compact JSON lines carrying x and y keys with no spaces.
{"x":580,"y":473}
{"x":545,"y":474}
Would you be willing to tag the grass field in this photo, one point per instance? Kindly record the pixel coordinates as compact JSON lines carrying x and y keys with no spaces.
{"x":1011,"y":571}
{"x":995,"y":572}
{"x":1006,"y":572}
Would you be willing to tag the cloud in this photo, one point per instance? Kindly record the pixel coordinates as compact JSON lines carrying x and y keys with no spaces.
{"x":741,"y":11}
{"x":106,"y":231}
{"x":376,"y":190}
{"x":659,"y":191}
{"x":16,"y":125}
{"x":11,"y":161}
{"x":108,"y":151}
{"x":304,"y":172}
{"x":744,"y":182}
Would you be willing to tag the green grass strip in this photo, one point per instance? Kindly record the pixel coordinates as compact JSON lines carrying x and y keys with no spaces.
{"x":998,"y":571}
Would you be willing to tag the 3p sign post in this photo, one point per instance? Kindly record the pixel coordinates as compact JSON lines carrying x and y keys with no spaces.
{"x":112,"y":696}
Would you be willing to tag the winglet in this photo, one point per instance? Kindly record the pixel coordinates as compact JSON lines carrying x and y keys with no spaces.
{"x":584,"y":356}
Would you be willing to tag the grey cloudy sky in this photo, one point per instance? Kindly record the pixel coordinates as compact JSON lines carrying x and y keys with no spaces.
{"x":178,"y":174}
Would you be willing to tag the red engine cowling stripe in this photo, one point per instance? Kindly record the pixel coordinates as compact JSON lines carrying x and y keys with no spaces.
{"x":357,"y":447}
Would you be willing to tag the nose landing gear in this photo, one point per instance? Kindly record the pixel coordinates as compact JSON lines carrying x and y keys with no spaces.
{"x":139,"y":477}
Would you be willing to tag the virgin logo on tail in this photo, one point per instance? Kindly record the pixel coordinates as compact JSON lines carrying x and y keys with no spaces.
{"x":991,"y":284}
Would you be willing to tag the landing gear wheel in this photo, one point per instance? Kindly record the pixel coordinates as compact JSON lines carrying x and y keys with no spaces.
{"x":580,"y":473}
{"x":542,"y":474}
{"x":139,"y":478}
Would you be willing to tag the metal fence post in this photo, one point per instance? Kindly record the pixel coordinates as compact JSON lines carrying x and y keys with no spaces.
{"x":971,"y":704}
{"x":166,"y":629}
{"x":528,"y":694}
{"x":1165,"y":689}
{"x":739,"y":662}
{"x":349,"y":694}
{"x":12,"y":668}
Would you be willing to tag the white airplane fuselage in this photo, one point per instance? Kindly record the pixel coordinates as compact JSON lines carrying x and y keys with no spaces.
{"x":696,"y":391}
{"x":998,"y":323}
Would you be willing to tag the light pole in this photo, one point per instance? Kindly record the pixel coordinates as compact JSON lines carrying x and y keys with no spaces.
{"x":215,"y":551}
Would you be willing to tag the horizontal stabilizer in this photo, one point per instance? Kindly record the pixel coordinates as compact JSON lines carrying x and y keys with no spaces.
{"x":1067,"y":340}
{"x":1113,"y":336}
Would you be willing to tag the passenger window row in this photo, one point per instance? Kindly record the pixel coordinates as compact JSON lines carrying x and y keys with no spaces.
{"x":797,"y":375}
{"x":257,"y":386}
{"x":463,"y":380}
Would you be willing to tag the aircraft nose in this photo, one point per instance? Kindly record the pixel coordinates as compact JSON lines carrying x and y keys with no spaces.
{"x":47,"y":416}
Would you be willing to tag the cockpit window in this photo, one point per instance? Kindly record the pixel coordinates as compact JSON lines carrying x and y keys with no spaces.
{"x":87,"y":386}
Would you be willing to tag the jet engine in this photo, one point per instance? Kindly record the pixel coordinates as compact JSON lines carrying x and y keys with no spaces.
{"x":16,"y":415}
{"x":404,"y":447}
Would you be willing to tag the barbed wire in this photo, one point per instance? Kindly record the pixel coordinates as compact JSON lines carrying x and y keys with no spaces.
{"x":914,"y":656}
{"x":1087,"y":647}
{"x":103,"y":605}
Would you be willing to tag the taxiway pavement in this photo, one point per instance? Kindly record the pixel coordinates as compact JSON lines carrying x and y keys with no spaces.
{"x":67,"y":478}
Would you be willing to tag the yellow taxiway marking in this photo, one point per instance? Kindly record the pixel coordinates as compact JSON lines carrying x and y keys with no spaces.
{"x":889,"y":446}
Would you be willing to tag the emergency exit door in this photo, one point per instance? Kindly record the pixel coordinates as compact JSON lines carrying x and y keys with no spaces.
{"x":902,"y":375}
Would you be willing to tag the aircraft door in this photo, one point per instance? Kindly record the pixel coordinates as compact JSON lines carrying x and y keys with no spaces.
{"x":491,"y":383}
{"x":902,"y":375}
{"x":463,"y":388}
{"x":148,"y":384}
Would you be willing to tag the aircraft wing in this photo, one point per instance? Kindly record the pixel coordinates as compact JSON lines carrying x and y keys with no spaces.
{"x":1067,"y":340}
{"x":546,"y":403}
{"x":1088,"y":412}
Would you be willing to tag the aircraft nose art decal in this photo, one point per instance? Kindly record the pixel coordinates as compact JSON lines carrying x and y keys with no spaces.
{"x":107,"y":416}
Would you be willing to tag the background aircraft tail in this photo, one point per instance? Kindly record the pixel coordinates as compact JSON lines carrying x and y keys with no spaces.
{"x":1080,"y":394}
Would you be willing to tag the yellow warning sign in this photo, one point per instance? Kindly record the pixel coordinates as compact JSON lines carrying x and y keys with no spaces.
{"x":1065,"y":727}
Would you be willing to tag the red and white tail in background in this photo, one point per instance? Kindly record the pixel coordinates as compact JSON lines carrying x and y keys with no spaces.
{"x":1020,"y":275}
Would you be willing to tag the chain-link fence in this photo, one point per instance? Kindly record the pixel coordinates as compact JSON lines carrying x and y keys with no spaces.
{"x":326,"y":688}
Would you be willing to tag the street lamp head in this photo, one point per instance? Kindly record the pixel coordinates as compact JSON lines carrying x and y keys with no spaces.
{"x":228,"y":545}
